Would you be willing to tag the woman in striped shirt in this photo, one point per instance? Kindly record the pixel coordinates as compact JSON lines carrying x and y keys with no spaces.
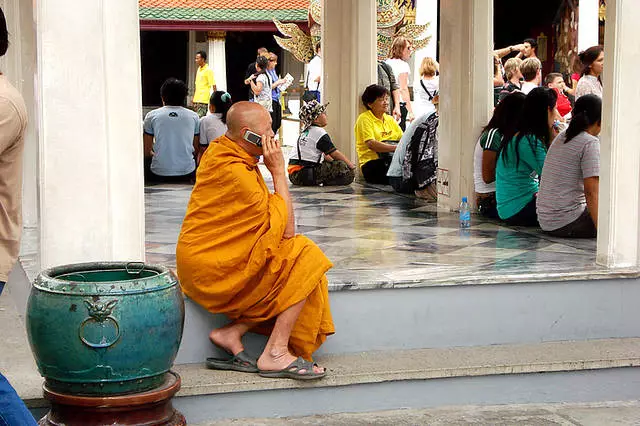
{"x":568,"y":197}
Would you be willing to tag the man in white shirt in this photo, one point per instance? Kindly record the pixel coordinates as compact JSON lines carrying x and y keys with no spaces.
{"x":314,"y":73}
{"x":531,"y":70}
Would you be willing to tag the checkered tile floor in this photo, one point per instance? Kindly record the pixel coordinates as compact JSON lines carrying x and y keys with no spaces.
{"x":377,"y":238}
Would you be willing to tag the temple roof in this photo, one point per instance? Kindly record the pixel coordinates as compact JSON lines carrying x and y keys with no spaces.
{"x":223,"y":11}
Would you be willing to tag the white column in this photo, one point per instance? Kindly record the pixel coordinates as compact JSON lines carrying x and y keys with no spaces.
{"x":217,"y":57}
{"x":466,"y":95}
{"x":426,"y":11}
{"x":191,"y":67}
{"x":19,"y":65}
{"x":619,"y":205}
{"x":588,"y":24}
{"x":91,"y":177}
{"x":349,"y":46}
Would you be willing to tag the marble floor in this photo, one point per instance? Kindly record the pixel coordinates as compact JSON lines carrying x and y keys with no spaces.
{"x":376,"y":238}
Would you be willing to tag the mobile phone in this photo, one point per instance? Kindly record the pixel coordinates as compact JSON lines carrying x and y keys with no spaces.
{"x":252,"y":138}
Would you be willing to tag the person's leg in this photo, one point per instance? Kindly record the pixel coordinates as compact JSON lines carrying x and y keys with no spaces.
{"x":334,"y":173}
{"x":375,"y":171}
{"x":201,"y":109}
{"x":229,"y":337}
{"x":13,"y":412}
{"x":403,"y":116}
{"x":582,"y":227}
{"x":401,"y":186}
{"x":276,"y":117}
{"x":487,"y":205}
{"x":525,"y":217}
{"x":276,"y":355}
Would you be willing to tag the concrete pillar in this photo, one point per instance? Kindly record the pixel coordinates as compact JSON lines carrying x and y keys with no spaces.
{"x":89,"y":92}
{"x":217,"y":57}
{"x":588,"y":24}
{"x":466,"y":93}
{"x":19,"y":65}
{"x":619,"y":203}
{"x":426,"y":11}
{"x":349,"y":45}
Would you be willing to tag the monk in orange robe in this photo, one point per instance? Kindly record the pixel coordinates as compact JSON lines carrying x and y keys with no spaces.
{"x":238,"y":254}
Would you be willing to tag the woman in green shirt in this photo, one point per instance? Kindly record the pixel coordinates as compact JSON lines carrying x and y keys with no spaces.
{"x":521,"y":158}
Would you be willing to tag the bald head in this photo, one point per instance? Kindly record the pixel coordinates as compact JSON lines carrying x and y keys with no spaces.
{"x":247,"y":116}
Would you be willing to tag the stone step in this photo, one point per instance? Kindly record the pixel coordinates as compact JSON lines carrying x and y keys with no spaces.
{"x":438,"y":316}
{"x":422,"y":378}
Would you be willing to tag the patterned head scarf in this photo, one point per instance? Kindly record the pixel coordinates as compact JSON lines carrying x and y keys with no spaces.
{"x":309,"y":112}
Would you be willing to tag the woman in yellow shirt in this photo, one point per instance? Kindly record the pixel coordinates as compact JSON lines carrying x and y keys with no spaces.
{"x":377,"y":134}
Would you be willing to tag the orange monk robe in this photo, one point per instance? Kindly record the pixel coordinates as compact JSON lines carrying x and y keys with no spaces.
{"x":232,"y":257}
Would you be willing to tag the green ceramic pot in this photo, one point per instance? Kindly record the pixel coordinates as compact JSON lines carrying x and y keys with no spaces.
{"x":105,"y":328}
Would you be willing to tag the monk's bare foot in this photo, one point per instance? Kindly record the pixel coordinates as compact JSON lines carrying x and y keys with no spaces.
{"x":275,"y":360}
{"x":228,"y":338}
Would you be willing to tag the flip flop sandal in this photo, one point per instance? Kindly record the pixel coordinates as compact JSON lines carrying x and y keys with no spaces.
{"x":241,"y":362}
{"x":293,"y":371}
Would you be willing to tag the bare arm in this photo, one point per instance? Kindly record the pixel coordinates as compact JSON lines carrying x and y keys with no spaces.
{"x":337,"y":155}
{"x":489,"y":159}
{"x":376,"y":146}
{"x":591,"y":189}
{"x":148,"y":144}
{"x":396,"y":104}
{"x":403,"y":81}
{"x":256,"y":88}
{"x":196,"y":145}
{"x":274,"y":160}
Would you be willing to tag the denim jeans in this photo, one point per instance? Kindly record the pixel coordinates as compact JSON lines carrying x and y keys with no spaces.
{"x":12,"y":410}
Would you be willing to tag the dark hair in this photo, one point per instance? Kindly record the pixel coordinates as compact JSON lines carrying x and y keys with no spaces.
{"x":4,"y":34}
{"x":262,"y":62}
{"x":202,"y":54}
{"x":221,"y":101}
{"x":373,"y":92}
{"x":532,"y":42}
{"x":587,"y":111}
{"x":317,"y":47}
{"x":506,"y":115}
{"x":173,"y":92}
{"x":552,"y":76}
{"x":588,"y":57}
{"x":534,"y":120}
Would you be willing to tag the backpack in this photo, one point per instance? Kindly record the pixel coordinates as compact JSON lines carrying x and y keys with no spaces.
{"x":420,"y":162}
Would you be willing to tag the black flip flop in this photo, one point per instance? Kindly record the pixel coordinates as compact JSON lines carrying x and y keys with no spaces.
{"x":293,"y":371}
{"x":241,"y":362}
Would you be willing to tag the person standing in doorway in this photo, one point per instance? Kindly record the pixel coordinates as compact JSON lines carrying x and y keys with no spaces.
{"x":590,"y":80}
{"x":400,"y":54}
{"x":276,"y":82}
{"x":314,"y":73}
{"x":252,"y":69}
{"x":529,"y":49}
{"x":205,"y":84}
{"x":13,"y":124}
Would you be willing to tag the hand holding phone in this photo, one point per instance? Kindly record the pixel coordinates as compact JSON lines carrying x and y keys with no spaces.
{"x":273,"y":157}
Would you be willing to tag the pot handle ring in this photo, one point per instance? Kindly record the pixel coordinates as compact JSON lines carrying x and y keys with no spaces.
{"x":134,"y":268}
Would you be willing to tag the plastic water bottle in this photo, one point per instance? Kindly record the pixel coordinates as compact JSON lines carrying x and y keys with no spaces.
{"x":465,"y":214}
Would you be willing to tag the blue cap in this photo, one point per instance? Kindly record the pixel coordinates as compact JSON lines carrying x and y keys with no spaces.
{"x":464,"y":199}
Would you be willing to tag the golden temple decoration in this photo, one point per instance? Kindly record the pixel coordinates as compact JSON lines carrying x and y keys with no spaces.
{"x":395,"y":18}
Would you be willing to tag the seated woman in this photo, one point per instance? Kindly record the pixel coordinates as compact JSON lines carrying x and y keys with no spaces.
{"x":409,"y":174}
{"x":522,"y":156}
{"x":315,"y":160}
{"x":568,"y":198}
{"x":374,"y":128}
{"x":504,"y":121}
{"x":214,"y":125}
